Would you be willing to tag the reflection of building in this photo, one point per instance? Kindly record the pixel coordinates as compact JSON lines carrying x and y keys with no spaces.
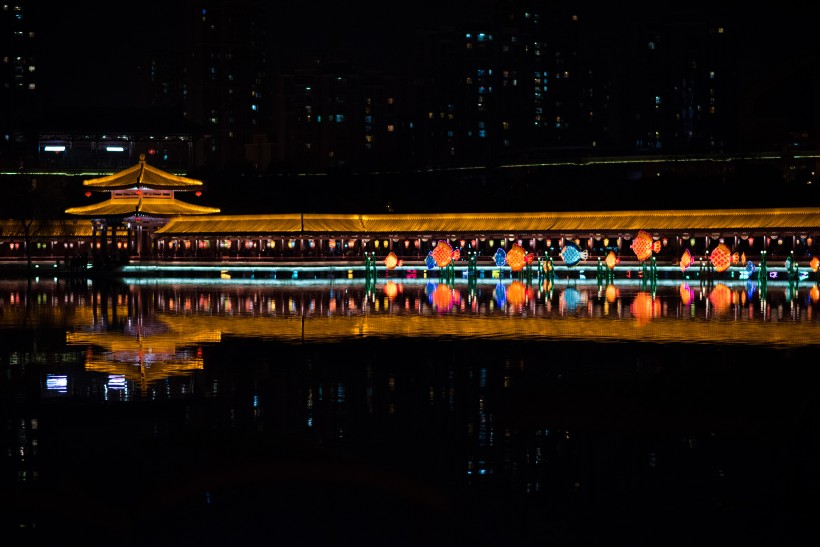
{"x":142,"y":199}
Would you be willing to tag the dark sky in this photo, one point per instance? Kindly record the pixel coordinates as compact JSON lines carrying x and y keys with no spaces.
{"x":94,"y":46}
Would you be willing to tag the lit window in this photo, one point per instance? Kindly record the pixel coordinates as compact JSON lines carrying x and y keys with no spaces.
{"x":390,"y":128}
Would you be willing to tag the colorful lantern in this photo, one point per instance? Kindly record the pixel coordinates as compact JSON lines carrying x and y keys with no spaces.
{"x":686,"y":260}
{"x":391,"y":260}
{"x":516,"y":257}
{"x":721,"y":258}
{"x":815,"y":264}
{"x":735,"y":258}
{"x":572,"y":254}
{"x":611,"y":260}
{"x":643,"y":245}
{"x":443,"y":254}
{"x":500,"y":257}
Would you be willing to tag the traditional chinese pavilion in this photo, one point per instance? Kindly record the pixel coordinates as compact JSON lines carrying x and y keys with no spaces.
{"x":142,"y":199}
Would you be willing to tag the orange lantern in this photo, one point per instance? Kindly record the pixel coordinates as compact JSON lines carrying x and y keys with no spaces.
{"x":721,"y":258}
{"x":815,"y":264}
{"x":735,"y":258}
{"x":611,"y":260}
{"x":516,"y":257}
{"x":443,"y":254}
{"x":686,"y":260}
{"x":391,"y":260}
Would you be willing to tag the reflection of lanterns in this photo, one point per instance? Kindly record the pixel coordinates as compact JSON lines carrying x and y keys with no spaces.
{"x":720,"y":297}
{"x":611,"y":293}
{"x":442,"y":297}
{"x":814,"y":293}
{"x":390,"y":290}
{"x":687,"y":295}
{"x":517,"y":294}
{"x":644,"y":308}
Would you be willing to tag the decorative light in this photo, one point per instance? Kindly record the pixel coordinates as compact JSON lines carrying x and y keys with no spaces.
{"x":516,"y":257}
{"x":331,"y":244}
{"x":88,"y":193}
{"x":406,"y":243}
{"x":198,"y":193}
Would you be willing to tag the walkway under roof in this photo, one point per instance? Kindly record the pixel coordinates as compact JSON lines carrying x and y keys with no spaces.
{"x":690,"y":222}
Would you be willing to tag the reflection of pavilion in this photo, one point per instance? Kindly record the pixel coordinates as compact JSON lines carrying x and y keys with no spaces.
{"x":142,"y":200}
{"x":146,"y":353}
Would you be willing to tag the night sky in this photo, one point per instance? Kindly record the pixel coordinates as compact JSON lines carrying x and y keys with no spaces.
{"x":93,"y":48}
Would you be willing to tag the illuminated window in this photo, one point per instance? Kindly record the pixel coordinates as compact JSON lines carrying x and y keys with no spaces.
{"x":391,"y":128}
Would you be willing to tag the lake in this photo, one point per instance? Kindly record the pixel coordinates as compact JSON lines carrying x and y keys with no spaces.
{"x":410,"y":412}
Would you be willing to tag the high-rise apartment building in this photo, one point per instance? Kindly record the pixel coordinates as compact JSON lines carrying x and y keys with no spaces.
{"x":19,"y":91}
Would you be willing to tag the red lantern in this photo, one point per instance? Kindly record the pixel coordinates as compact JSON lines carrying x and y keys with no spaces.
{"x":88,"y":193}
{"x":198,"y":193}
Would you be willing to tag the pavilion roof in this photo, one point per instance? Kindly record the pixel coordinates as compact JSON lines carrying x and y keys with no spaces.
{"x":143,"y":175}
{"x":691,"y":221}
{"x":146,"y":205}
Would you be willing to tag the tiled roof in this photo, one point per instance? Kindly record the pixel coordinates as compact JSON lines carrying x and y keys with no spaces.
{"x":145,"y":205}
{"x":145,"y":175}
{"x":45,"y":229}
{"x":614,"y":222}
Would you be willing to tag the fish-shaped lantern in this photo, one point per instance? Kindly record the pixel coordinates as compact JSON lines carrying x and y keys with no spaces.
{"x":750,"y":267}
{"x":443,"y":254}
{"x":500,"y":257}
{"x":572,"y":254}
{"x":430,"y":261}
{"x":643,"y":245}
{"x":391,"y":260}
{"x":516,"y":257}
{"x":815,"y":264}
{"x":686,"y":260}
{"x":721,"y":258}
{"x":611,"y":260}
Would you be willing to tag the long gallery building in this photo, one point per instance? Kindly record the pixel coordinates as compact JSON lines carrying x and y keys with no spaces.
{"x":141,"y":219}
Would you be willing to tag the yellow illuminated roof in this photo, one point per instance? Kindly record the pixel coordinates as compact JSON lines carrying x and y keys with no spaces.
{"x":142,"y":174}
{"x":45,"y":229}
{"x":146,"y":205}
{"x":704,"y":221}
